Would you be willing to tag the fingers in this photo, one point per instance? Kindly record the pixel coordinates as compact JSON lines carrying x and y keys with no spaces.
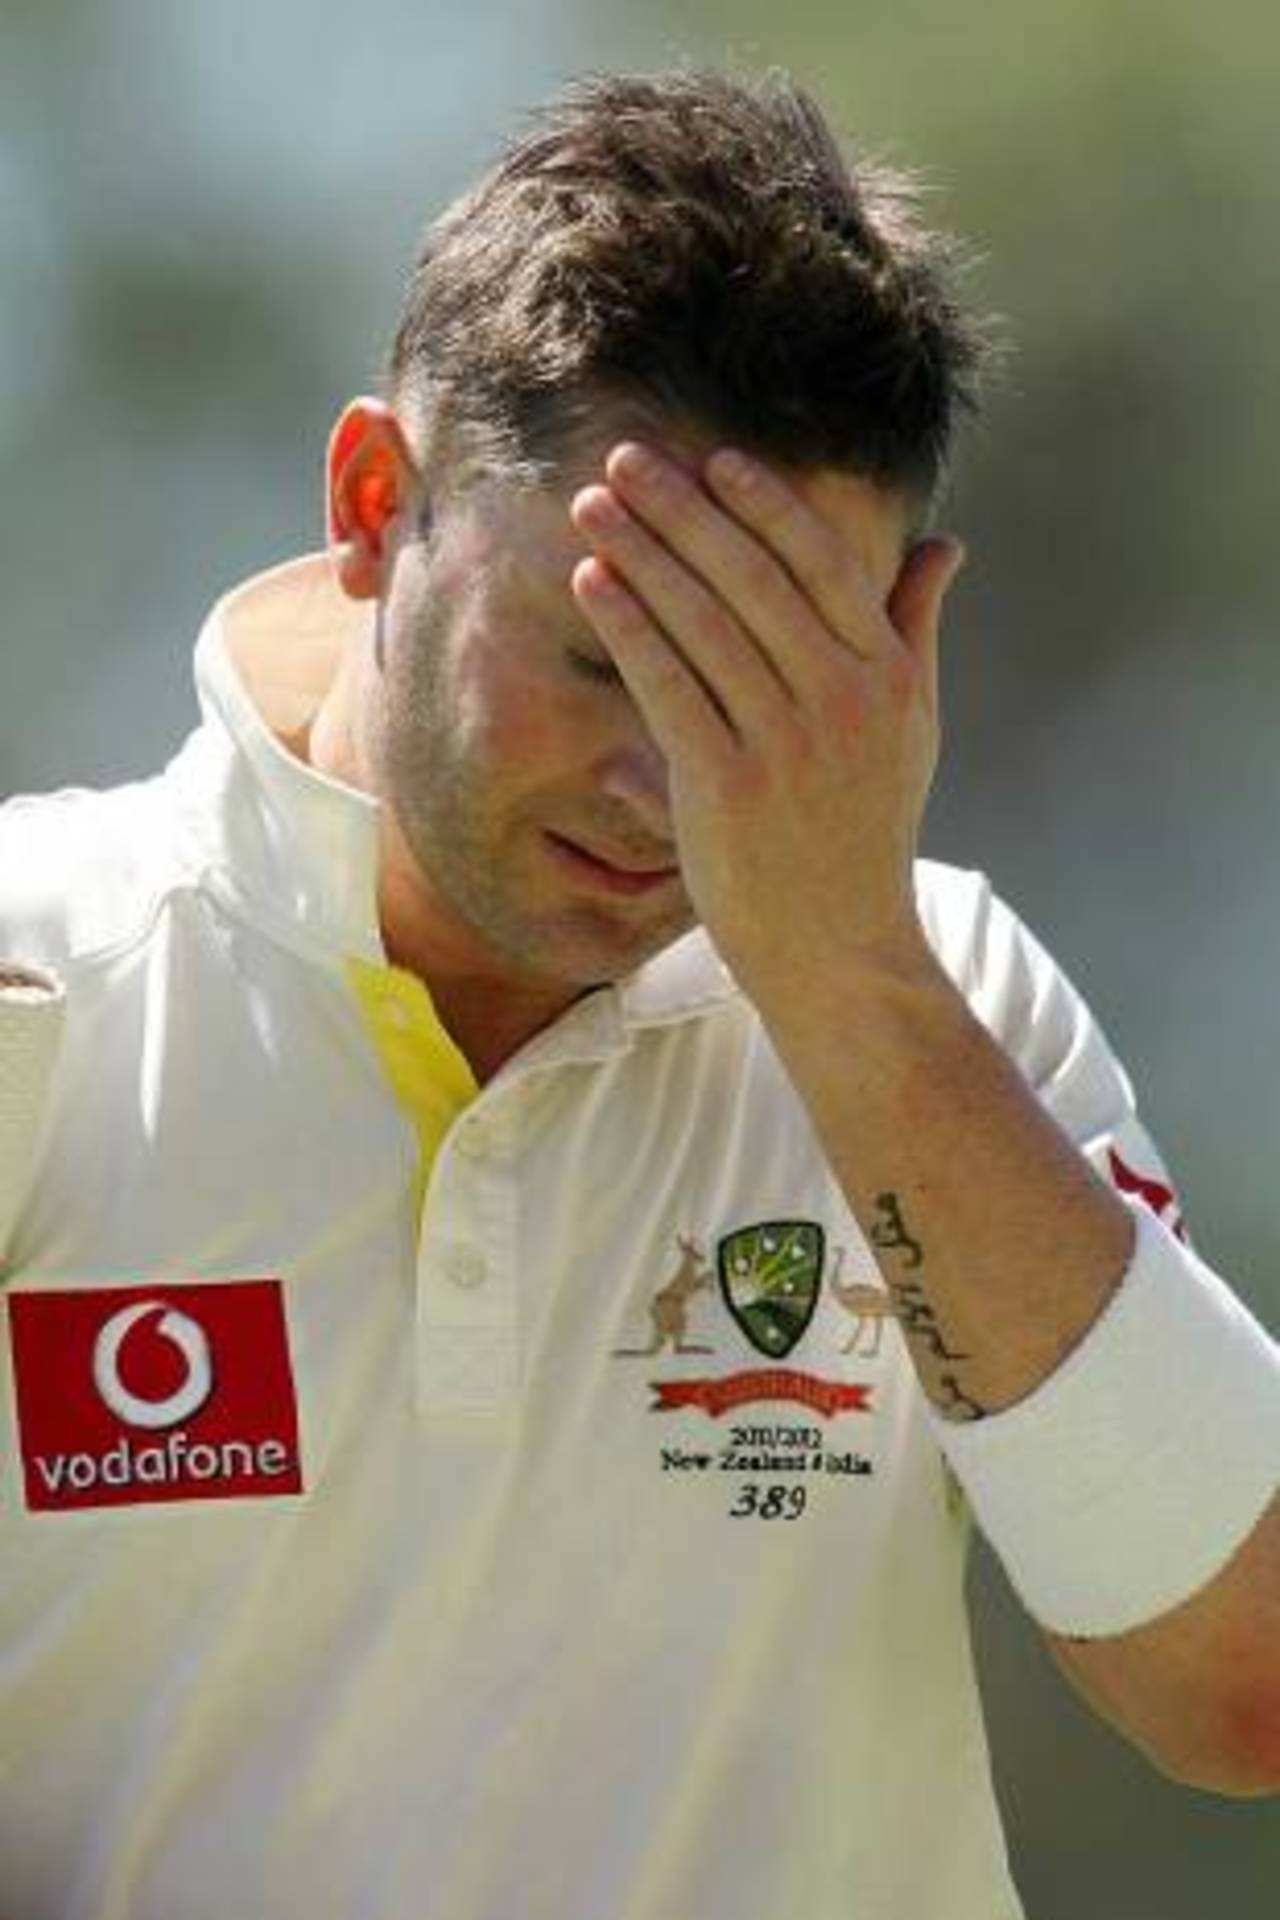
{"x":789,"y":577}
{"x":819,"y":559}
{"x":682,"y":607}
{"x":758,"y":583}
{"x":915,"y":602}
{"x":683,"y":715}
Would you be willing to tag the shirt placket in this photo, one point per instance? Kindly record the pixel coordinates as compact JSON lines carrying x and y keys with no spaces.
{"x":470,"y":1272}
{"x":467,"y":1307}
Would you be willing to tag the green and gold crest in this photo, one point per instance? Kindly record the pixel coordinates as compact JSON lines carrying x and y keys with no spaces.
{"x":770,"y":1275}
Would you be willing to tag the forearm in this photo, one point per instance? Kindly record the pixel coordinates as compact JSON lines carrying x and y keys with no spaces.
{"x":998,"y":1243}
{"x":1197,"y":1689}
{"x":1001,"y":1248}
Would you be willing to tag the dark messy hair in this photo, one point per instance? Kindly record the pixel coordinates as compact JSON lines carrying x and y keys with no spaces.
{"x":684,"y":248}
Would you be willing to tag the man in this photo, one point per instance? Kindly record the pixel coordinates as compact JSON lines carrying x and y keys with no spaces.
{"x":513,"y":1069}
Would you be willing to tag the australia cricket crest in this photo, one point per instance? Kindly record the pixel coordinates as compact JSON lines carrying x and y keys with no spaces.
{"x":770,"y":1277}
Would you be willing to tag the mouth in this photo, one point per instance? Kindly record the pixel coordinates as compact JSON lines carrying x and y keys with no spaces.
{"x":613,"y":876}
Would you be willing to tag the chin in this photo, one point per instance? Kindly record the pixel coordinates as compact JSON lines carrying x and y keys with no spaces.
{"x":588,"y":955}
{"x":620,"y":958}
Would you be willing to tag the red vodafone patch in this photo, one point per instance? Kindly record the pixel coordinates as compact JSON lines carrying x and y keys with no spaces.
{"x":163,"y":1392}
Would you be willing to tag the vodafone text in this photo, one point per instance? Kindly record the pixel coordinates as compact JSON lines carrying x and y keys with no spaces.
{"x":166,"y":1463}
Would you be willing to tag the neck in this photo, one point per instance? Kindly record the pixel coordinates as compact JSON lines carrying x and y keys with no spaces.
{"x":487,"y":1026}
{"x":488,"y":1013}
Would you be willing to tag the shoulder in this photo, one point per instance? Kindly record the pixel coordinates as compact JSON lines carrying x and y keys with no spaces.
{"x":979,"y":940}
{"x":1010,"y":980}
{"x":82,"y":871}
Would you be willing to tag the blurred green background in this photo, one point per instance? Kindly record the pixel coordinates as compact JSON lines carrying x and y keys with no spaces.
{"x":206,"y":213}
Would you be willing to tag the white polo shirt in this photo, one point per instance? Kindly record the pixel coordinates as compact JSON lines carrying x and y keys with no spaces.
{"x":575,"y":1547}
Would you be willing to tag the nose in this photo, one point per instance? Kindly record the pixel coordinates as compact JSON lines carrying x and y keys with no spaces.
{"x":637,"y":775}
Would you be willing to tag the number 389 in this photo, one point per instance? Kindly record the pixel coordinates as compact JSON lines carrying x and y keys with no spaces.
{"x":768,"y":1503}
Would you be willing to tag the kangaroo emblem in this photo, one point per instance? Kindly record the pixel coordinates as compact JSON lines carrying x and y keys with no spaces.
{"x":870,"y":1307}
{"x":669,"y":1308}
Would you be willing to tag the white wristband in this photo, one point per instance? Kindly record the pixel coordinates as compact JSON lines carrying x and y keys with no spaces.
{"x":1130,"y":1476}
{"x":32,"y":1009}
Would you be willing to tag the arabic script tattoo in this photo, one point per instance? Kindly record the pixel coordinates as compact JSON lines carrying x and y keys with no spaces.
{"x":890,"y":1233}
{"x":914,"y":1310}
{"x":959,"y":1404}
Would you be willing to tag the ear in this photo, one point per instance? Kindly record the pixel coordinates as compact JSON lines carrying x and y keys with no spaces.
{"x":372,"y":486}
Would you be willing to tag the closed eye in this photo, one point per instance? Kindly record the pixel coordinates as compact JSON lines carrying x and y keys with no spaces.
{"x":593,"y":666}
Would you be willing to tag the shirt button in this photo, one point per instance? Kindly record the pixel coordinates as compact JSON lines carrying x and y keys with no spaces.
{"x":465,"y":1267}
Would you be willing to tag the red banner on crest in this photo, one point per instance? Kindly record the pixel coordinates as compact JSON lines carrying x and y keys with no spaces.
{"x":715,"y":1397}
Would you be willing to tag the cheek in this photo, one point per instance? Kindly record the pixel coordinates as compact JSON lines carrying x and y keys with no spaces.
{"x":480,"y":692}
{"x":523,"y":725}
{"x":496,"y":714}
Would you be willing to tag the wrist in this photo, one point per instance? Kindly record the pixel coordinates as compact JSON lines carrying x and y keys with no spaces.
{"x":891,"y":991}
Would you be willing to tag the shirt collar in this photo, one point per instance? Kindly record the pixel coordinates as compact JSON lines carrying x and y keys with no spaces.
{"x":301,"y":849}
